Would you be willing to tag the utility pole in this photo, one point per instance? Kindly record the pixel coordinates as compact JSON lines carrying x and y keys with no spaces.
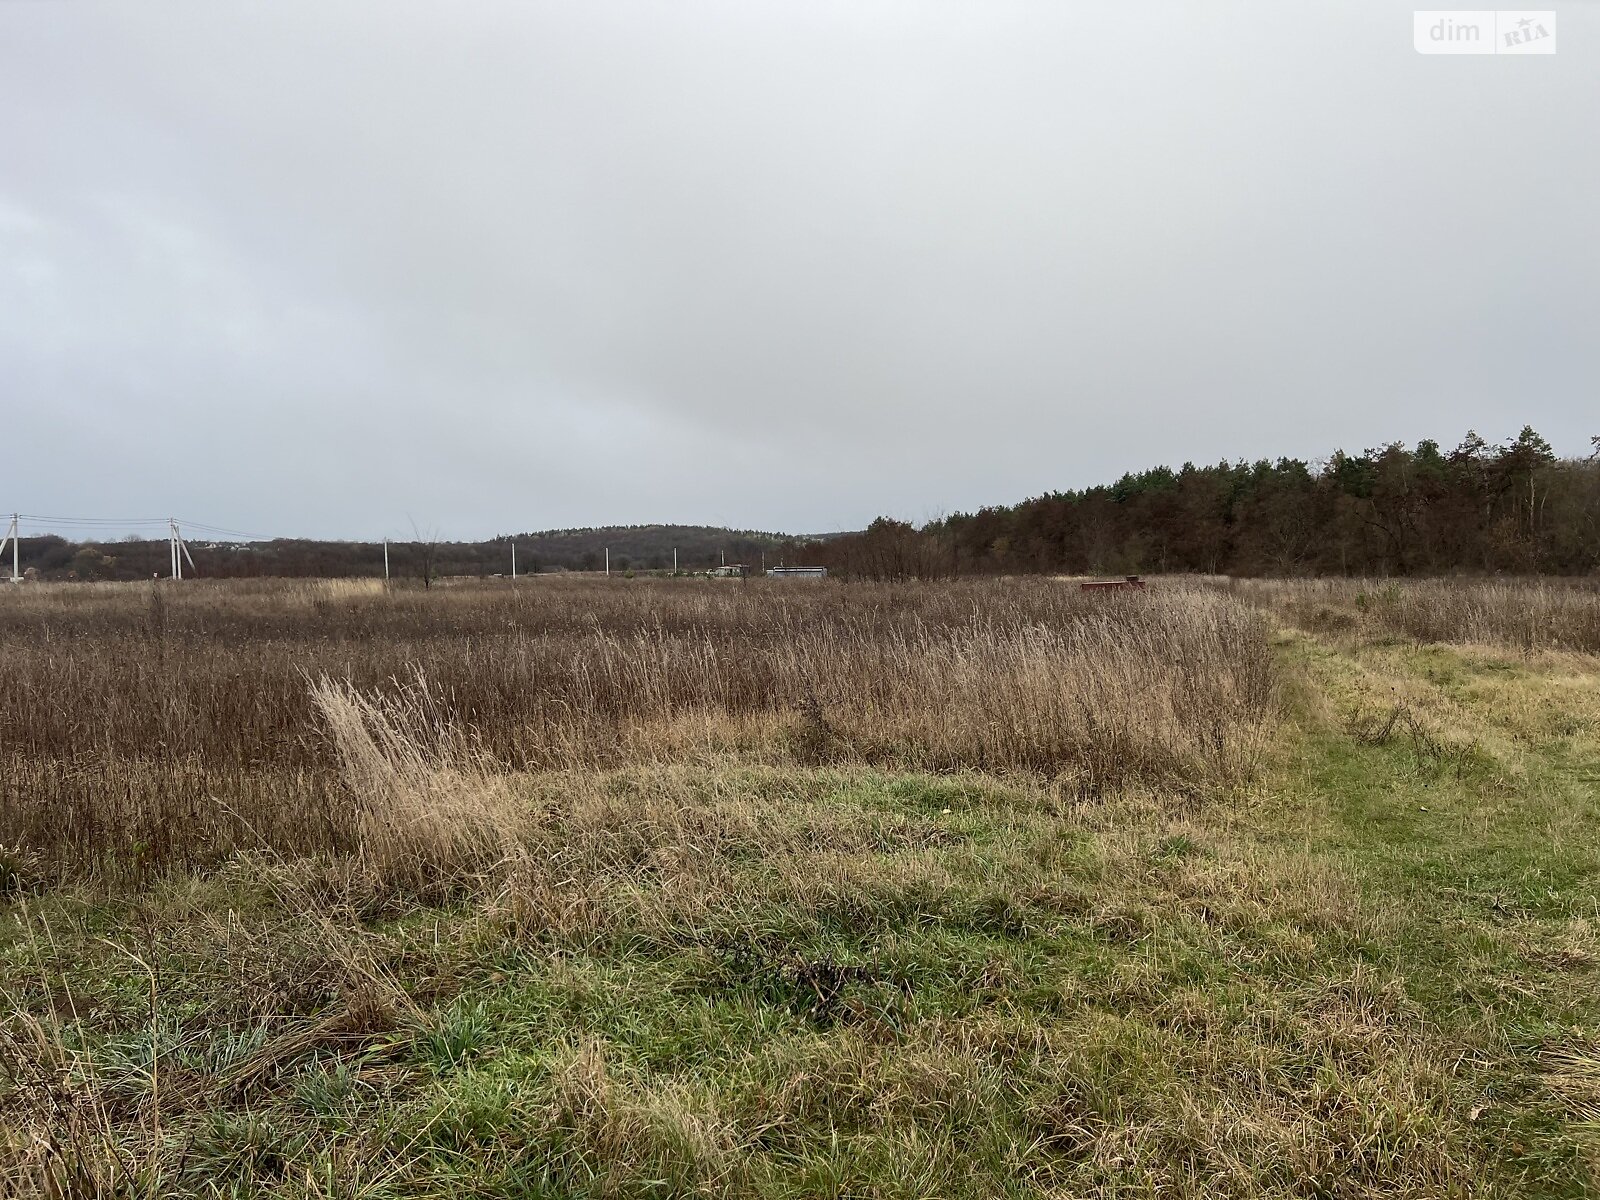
{"x":14,"y":536}
{"x":608,"y":562}
{"x":513,"y":560}
{"x":674,"y":560}
{"x":180,"y":549}
{"x":386,"y":560}
{"x":172,"y":548}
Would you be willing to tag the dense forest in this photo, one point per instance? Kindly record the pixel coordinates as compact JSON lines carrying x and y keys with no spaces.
{"x":1479,"y":508}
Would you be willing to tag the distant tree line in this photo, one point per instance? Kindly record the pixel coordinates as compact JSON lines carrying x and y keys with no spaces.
{"x":633,"y":548}
{"x":1393,"y":510}
{"x":1482,"y":508}
{"x":650,"y":547}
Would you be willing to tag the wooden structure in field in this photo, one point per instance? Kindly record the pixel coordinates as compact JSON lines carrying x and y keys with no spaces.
{"x":1126,"y":584}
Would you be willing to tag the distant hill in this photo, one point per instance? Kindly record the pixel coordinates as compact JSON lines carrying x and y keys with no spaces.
{"x":650,"y":547}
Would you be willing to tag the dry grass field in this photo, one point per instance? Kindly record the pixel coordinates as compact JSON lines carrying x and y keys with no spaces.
{"x":667,"y":888}
{"x":1524,"y":614}
{"x":146,"y":726}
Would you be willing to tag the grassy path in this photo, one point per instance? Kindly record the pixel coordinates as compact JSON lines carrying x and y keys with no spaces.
{"x":1471,"y":819}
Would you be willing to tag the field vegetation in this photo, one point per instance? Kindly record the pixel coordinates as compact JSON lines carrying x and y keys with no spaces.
{"x":1524,"y":614}
{"x":669,"y":887}
{"x":146,"y":725}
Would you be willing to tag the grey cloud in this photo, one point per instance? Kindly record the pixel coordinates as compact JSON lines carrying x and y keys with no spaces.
{"x":313,"y":267}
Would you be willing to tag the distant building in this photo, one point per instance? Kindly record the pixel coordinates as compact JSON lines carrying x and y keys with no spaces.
{"x":798,"y":573}
{"x":730,"y":571}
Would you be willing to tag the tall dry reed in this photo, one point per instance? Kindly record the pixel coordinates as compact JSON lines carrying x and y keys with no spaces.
{"x":149,"y":724}
{"x":425,"y":807}
{"x":1521,"y":614}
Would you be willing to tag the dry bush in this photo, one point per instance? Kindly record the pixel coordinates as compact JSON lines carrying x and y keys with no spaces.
{"x":147,"y":725}
{"x":428,"y":810}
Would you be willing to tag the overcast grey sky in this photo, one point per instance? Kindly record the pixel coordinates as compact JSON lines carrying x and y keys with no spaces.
{"x":328,"y":268}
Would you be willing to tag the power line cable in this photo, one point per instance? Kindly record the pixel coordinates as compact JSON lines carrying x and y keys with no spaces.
{"x":56,"y":520}
{"x":83,"y":524}
{"x":205,"y":528}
